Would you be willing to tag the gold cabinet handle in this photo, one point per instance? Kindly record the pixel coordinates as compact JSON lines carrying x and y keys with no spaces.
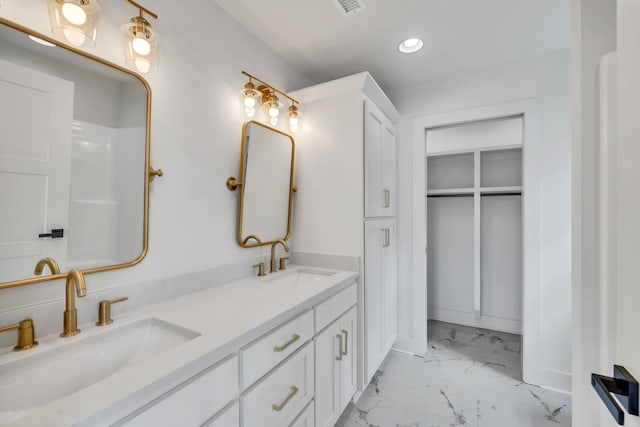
{"x":340,"y":352}
{"x":280,"y":407}
{"x":286,"y":345}
{"x":346,"y":342}
{"x":387,"y":198}
{"x":387,"y":238}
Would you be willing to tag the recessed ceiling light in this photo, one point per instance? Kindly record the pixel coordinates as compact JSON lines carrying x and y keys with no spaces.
{"x":42,"y":42}
{"x":410,"y":45}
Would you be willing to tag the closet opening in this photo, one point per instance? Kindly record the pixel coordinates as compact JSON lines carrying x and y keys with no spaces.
{"x":474,"y":191}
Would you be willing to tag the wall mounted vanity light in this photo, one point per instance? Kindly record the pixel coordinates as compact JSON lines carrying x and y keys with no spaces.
{"x":265,"y":94}
{"x":75,"y":21}
{"x":140,"y":41}
{"x":295,"y":119}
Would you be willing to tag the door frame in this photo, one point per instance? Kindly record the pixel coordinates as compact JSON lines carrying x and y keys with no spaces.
{"x":531,"y":109}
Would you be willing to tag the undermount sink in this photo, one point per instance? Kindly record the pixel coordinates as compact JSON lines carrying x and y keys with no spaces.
{"x":300,"y":277}
{"x":48,"y":376}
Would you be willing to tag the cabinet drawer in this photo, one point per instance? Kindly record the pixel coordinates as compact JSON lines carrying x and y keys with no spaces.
{"x":261,"y":356}
{"x":281,"y":396}
{"x":306,"y":418}
{"x":193,"y":402}
{"x":332,"y":308}
{"x":230,"y":417}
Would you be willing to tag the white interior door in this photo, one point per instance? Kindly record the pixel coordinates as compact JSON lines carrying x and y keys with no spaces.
{"x":35,"y":129}
{"x":619,"y":206}
{"x":628,"y":191}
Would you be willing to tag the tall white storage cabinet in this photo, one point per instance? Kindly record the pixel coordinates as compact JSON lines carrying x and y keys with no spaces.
{"x":346,"y":176}
{"x":474,"y":224}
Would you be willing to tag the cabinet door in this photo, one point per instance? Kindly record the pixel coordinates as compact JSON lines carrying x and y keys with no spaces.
{"x":389,"y":289}
{"x":230,"y":417}
{"x":388,"y":168}
{"x":306,"y":419}
{"x":193,"y":402}
{"x":379,"y":284}
{"x":379,"y":168}
{"x":348,"y":362}
{"x":327,"y":377}
{"x":279,"y":397}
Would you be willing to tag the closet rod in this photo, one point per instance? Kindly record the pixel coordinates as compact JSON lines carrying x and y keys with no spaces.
{"x":514,"y":193}
{"x":450,"y":195}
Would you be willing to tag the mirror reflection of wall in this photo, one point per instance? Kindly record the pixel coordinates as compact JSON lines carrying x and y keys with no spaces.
{"x":267,"y":183}
{"x":83,"y":124}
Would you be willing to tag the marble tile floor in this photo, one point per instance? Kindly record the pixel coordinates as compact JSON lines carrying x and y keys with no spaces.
{"x":470,"y":377}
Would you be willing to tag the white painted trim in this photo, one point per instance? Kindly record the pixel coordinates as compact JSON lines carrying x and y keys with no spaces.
{"x":465,"y":150}
{"x":532,"y":370}
{"x":477,"y":231}
{"x":361,"y":82}
{"x":494,"y":323}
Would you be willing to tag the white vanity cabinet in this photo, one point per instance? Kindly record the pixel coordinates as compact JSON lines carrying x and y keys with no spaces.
{"x":380,"y":163}
{"x":278,"y":399}
{"x":306,"y":419}
{"x":302,"y":367}
{"x":347,"y":183}
{"x":229,"y":417}
{"x":194,"y":402}
{"x":335,"y":369}
{"x":261,"y":356}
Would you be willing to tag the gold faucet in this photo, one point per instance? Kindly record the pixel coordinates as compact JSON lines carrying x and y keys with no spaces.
{"x":70,"y":312}
{"x":49,"y":262}
{"x":26,"y":334}
{"x":273,"y":253}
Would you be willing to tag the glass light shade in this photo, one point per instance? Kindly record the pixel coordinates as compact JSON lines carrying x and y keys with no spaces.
{"x":248,"y":98}
{"x":295,"y":119}
{"x":75,"y":21}
{"x":272,"y":107}
{"x":140,"y":45}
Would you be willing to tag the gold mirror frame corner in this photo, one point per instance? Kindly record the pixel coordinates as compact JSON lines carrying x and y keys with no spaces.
{"x":147,"y":166}
{"x":244,"y":243}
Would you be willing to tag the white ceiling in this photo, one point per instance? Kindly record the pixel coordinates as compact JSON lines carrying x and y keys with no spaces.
{"x":459,"y":35}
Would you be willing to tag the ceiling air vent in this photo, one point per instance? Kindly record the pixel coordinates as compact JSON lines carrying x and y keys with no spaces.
{"x":350,"y":7}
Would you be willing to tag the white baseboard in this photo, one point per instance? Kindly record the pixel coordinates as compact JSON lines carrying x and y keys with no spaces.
{"x":469,"y":319}
{"x":409,"y":345}
{"x":555,"y":380}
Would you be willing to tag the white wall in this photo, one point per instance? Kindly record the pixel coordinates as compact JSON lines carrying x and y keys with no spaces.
{"x":547,"y":79}
{"x":195,"y":137}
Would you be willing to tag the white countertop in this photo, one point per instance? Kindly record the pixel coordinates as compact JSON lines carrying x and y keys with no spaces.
{"x":227,"y":316}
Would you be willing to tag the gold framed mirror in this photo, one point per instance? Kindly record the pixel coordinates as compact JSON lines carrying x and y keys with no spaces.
{"x":266,"y":185}
{"x":74,"y":160}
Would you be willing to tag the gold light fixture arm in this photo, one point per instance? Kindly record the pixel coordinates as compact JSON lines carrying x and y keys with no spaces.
{"x":142,"y":9}
{"x":293,"y":100}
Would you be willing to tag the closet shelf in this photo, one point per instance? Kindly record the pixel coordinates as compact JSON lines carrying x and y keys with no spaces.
{"x":451,"y":191}
{"x":501,"y":190}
